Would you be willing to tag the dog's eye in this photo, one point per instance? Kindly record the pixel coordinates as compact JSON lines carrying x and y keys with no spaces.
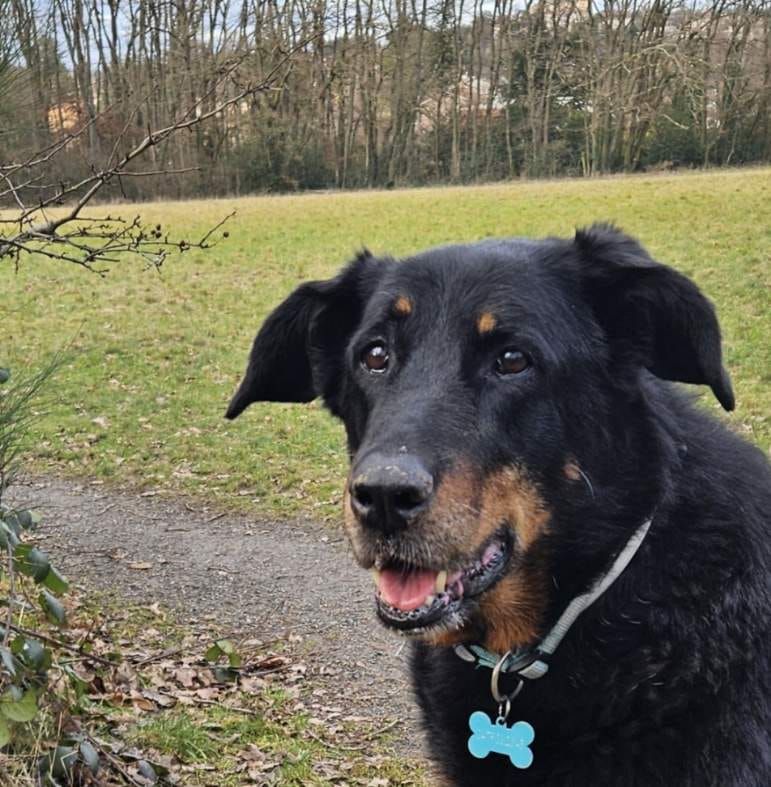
{"x":511,"y":362}
{"x":375,"y":358}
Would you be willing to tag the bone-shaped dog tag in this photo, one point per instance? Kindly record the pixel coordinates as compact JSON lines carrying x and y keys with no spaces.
{"x":513,"y":742}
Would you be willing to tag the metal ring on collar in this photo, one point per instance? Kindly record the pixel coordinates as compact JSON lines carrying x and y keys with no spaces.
{"x":497,"y":695}
{"x":521,"y":660}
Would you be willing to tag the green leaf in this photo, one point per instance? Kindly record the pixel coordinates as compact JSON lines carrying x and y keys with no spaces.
{"x":5,"y":375}
{"x":223,"y":647}
{"x":147,"y":771}
{"x":55,"y":582}
{"x":80,"y":686}
{"x":5,"y":730}
{"x":29,"y":520}
{"x":10,"y":664}
{"x":35,"y":655}
{"x":52,"y":607}
{"x":12,"y":520}
{"x":225,"y":674}
{"x":22,"y":550}
{"x":229,"y":649}
{"x":32,"y":562}
{"x":90,"y":756}
{"x":17,"y":644}
{"x":21,"y":710}
{"x":226,"y":646}
{"x":7,"y":536}
{"x":64,"y":758}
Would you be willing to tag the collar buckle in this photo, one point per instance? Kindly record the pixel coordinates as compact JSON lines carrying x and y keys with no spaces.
{"x":529,"y":663}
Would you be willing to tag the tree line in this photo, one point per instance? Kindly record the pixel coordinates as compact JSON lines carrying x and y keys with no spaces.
{"x":373,"y":93}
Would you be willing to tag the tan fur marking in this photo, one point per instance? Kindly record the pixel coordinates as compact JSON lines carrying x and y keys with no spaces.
{"x":508,"y":496}
{"x":457,"y":487}
{"x":469,"y":512}
{"x":572,"y":471}
{"x":486,"y":322}
{"x":446,"y":639}
{"x":403,"y":306}
{"x":513,"y":610}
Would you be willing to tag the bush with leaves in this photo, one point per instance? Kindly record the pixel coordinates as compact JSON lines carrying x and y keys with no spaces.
{"x":31,"y":585}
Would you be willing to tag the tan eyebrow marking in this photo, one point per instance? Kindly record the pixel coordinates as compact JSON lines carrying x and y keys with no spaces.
{"x":403,"y":305}
{"x":571,"y":470}
{"x":486,"y":322}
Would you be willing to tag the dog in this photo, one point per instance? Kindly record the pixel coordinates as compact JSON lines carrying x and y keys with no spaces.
{"x":579,"y":554}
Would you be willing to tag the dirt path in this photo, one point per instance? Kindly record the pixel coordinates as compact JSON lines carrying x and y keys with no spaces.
{"x":258,"y":578}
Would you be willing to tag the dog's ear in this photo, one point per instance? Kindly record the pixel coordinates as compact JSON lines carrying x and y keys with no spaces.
{"x":298,"y":353}
{"x":652,"y":312}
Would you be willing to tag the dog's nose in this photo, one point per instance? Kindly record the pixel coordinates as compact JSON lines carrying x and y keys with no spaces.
{"x":389,"y":492}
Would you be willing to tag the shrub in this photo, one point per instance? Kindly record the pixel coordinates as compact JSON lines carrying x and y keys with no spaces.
{"x":30,"y":593}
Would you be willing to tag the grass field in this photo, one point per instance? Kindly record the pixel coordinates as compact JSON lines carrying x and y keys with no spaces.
{"x":156,"y":357}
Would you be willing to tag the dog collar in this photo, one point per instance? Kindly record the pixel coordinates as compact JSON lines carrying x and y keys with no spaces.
{"x":532,"y":663}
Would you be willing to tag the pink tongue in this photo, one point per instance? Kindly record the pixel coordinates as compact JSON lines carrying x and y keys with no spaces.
{"x":406,"y":591}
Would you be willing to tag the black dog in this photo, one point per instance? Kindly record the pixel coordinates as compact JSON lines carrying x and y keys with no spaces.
{"x":513,"y":446}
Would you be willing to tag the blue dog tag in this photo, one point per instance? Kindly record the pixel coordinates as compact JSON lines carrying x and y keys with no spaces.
{"x":513,"y":741}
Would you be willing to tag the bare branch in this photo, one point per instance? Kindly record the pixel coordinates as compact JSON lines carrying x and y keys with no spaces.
{"x":103,"y":242}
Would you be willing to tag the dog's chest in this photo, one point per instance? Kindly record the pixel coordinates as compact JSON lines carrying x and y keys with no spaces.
{"x":584,"y":733}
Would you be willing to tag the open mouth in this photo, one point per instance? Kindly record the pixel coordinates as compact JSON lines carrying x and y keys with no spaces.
{"x":413,"y":599}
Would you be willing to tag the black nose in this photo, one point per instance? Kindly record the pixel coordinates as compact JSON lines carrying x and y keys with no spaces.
{"x":389,"y":492}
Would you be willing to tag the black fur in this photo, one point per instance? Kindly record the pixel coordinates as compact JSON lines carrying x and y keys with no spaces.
{"x":665,"y":680}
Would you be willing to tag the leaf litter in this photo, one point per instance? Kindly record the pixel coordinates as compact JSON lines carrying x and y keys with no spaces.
{"x":136,"y":666}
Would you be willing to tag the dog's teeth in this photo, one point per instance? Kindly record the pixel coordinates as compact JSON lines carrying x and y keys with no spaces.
{"x":430,"y":599}
{"x":375,"y":575}
{"x":441,"y":581}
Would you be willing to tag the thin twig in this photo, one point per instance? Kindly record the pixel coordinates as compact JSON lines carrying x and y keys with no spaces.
{"x":157,"y":657}
{"x":331,"y":745}
{"x":377,"y":733}
{"x":63,"y":645}
{"x":116,"y":762}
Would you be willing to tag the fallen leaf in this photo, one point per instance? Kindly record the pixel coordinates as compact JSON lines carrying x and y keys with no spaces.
{"x":162,"y":700}
{"x":185,"y":676}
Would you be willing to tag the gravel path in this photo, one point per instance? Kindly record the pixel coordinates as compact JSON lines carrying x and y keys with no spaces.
{"x":261,"y":579}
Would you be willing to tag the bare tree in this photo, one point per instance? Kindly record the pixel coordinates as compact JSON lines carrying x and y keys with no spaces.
{"x":40,"y":227}
{"x":383,"y":91}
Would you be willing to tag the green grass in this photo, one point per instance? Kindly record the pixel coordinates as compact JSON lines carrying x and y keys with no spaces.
{"x":215,"y":742}
{"x":158,"y":356}
{"x":178,"y":734}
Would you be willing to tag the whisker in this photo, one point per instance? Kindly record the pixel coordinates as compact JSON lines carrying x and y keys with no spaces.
{"x":586,"y":480}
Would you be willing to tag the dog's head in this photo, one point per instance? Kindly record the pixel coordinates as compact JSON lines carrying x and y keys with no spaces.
{"x":490,"y":394}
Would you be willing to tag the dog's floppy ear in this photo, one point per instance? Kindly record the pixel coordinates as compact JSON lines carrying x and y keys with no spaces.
{"x":298,"y":352}
{"x":652,"y":311}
